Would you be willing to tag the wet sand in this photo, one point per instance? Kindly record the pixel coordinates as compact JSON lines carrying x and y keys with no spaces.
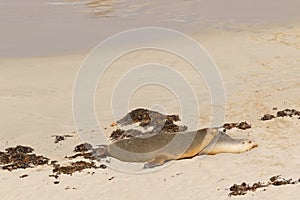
{"x":43,"y":28}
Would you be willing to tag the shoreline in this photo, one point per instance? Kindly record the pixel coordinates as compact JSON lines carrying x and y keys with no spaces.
{"x":41,"y":29}
{"x":219,"y":27}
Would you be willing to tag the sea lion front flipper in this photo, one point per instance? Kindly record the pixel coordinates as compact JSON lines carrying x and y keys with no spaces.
{"x":157,"y":161}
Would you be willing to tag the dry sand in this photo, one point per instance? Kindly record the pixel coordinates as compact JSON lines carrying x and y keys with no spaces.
{"x":260,"y":68}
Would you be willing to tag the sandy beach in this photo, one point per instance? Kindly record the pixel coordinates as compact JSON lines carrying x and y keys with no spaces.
{"x":260,"y":70}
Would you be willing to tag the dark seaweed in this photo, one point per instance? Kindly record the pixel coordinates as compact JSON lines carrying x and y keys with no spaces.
{"x":282,"y":113}
{"x":20,"y":157}
{"x":159,"y":123}
{"x":242,"y":125}
{"x":242,"y":189}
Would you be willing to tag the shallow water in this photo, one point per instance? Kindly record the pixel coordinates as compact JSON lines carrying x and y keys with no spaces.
{"x":55,"y":27}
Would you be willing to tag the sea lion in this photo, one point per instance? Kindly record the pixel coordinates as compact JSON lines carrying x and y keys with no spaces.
{"x":163,"y":147}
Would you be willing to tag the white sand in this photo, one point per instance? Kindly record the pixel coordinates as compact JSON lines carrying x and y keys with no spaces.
{"x":260,"y":68}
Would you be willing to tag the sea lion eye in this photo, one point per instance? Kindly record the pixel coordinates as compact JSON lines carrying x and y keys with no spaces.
{"x":250,"y":142}
{"x":243,"y":142}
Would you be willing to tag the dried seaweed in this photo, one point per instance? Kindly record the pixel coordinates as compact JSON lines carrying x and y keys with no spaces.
{"x":242,"y":189}
{"x":267,"y":117}
{"x":23,"y":176}
{"x":73,"y":167}
{"x":159,"y":123}
{"x":242,"y":125}
{"x":20,"y":157}
{"x":282,"y":113}
{"x":119,"y":134}
{"x":288,"y":113}
{"x":59,"y":138}
{"x":86,"y":151}
{"x":83,"y":147}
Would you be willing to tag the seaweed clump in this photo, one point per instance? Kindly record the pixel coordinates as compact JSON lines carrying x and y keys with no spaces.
{"x":59,"y":138}
{"x":73,"y":167}
{"x":282,"y":113}
{"x":241,"y":125}
{"x":86,"y":151}
{"x":20,"y":157}
{"x":149,"y":120}
{"x":242,"y":189}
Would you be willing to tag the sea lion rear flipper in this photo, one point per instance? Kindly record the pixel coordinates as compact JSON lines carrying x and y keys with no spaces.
{"x":157,"y":161}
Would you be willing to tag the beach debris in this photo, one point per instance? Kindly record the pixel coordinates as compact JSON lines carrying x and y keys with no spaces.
{"x":267,"y":117}
{"x":23,"y":176}
{"x":81,"y":154}
{"x":229,"y":126}
{"x":242,"y":125}
{"x":243,"y":188}
{"x":19,"y":149}
{"x":53,"y":162}
{"x":151,"y":121}
{"x":54,"y":176}
{"x":73,"y":167}
{"x":282,"y":113}
{"x":278,"y":180}
{"x":119,"y":134}
{"x":59,"y":138}
{"x":83,"y":147}
{"x":288,"y":113}
{"x":20,"y":157}
{"x":177,"y":174}
{"x":87,"y":151}
{"x":102,"y":166}
{"x":68,"y":188}
{"x":150,"y":118}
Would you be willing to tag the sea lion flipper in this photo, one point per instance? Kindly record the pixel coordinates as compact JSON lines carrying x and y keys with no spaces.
{"x":157,"y":161}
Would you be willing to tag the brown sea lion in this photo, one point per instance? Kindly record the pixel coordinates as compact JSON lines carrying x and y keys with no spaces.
{"x":160,"y":148}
